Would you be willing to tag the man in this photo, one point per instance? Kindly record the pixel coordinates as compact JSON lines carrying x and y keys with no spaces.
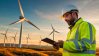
{"x":81,"y":37}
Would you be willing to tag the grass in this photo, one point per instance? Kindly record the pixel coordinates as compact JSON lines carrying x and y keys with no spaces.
{"x":97,"y":52}
{"x":20,"y":52}
{"x":36,"y":51}
{"x":26,"y":52}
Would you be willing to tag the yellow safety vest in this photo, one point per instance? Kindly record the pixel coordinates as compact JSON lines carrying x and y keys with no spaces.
{"x":81,"y":40}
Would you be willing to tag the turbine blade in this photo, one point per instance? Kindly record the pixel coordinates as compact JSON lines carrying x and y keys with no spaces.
{"x":6,"y":31}
{"x":13,"y":22}
{"x":31,"y":24}
{"x":2,"y":33}
{"x":14,"y":39}
{"x":28,"y":36}
{"x":51,"y":32}
{"x":6,"y":37}
{"x":15,"y":34}
{"x":52,"y":27}
{"x":21,"y":20}
{"x":22,"y":14}
{"x":57,"y":32}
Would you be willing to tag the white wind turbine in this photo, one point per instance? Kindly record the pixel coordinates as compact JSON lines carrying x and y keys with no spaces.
{"x":28,"y":40}
{"x":14,"y":38}
{"x":5,"y":36}
{"x":10,"y":41}
{"x":40,"y":41}
{"x":21,"y":20}
{"x":53,"y":31}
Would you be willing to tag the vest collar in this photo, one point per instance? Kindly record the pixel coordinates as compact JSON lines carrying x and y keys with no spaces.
{"x":76,"y":22}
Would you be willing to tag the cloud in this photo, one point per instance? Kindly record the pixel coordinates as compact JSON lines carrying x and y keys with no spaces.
{"x":49,"y":15}
{"x":81,"y":4}
{"x":5,"y":27}
{"x":89,"y":10}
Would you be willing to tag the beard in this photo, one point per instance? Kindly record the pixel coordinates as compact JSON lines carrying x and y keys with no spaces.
{"x":70,"y":22}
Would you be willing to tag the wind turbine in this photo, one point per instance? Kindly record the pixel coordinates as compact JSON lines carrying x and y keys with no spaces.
{"x":10,"y":41}
{"x":14,"y":38}
{"x":5,"y":36}
{"x":28,"y":40}
{"x":21,"y":20}
{"x":53,"y":31}
{"x":40,"y":40}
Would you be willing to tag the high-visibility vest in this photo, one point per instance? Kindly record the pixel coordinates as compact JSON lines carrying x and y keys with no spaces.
{"x":81,"y":40}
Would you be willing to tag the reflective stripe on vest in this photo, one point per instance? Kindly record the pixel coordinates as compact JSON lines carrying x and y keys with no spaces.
{"x":76,"y":38}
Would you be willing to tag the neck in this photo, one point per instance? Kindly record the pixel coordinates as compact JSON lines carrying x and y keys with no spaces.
{"x":75,"y":20}
{"x":70,"y":27}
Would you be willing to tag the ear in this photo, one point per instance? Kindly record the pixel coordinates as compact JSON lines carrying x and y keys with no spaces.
{"x":74,"y":14}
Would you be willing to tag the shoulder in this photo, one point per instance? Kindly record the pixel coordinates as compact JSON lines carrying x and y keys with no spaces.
{"x":86,"y":24}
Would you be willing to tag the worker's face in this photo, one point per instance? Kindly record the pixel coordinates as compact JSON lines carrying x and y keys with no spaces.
{"x":69,"y":18}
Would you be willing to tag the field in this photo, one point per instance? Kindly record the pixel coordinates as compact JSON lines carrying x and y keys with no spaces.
{"x":26,"y":52}
{"x":97,"y":52}
{"x":33,"y":50}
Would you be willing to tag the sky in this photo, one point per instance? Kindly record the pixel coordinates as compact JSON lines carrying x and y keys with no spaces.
{"x":43,"y":13}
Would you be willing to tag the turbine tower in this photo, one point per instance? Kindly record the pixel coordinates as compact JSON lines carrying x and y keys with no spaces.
{"x":10,"y":41}
{"x":5,"y":36}
{"x":53,"y":31}
{"x":21,"y":20}
{"x":40,"y":40}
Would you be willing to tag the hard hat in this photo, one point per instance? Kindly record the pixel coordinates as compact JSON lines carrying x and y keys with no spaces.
{"x":69,"y":8}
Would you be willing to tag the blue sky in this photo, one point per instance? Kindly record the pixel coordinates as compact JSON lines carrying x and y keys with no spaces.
{"x":43,"y":13}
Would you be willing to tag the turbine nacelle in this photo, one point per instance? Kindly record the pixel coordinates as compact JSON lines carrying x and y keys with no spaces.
{"x":21,"y":17}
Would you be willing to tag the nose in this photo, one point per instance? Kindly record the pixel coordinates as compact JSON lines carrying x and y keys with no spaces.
{"x":66,"y":19}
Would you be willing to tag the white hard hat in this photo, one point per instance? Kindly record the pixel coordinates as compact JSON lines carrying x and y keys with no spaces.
{"x":70,"y":8}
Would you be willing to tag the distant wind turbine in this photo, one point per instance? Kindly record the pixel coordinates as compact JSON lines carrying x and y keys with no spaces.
{"x":21,"y":20}
{"x":53,"y":31}
{"x":14,"y":38}
{"x":28,"y":40}
{"x":5,"y":36}
{"x":40,"y":40}
{"x":10,"y":41}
